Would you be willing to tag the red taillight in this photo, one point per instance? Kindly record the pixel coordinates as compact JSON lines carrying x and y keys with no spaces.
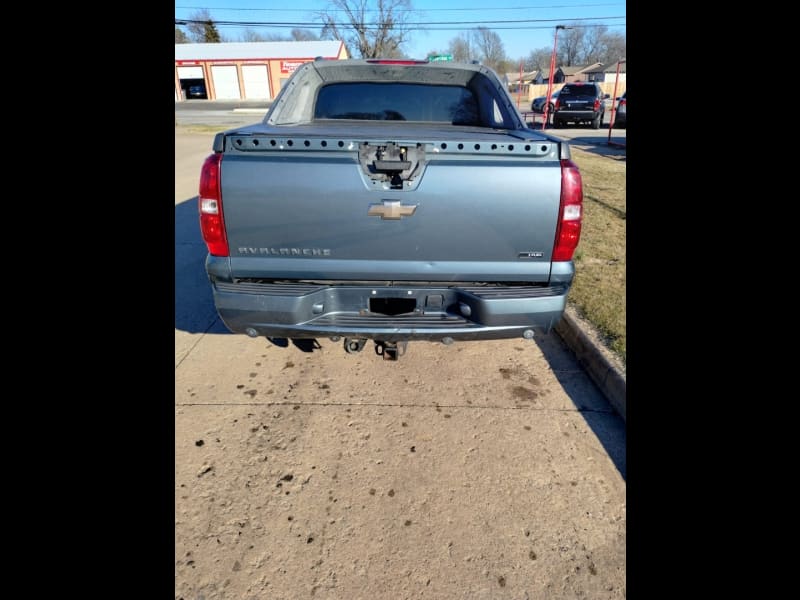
{"x":568,"y":231}
{"x":212,"y":224}
{"x":596,"y":104}
{"x":557,"y":104}
{"x":623,"y":102}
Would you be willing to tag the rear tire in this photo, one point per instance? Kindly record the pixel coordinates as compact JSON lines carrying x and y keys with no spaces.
{"x":597,"y":121}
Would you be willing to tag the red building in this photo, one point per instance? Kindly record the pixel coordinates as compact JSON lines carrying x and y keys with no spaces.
{"x":243,"y":70}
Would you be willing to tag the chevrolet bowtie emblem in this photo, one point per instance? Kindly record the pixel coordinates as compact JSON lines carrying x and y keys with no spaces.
{"x":391,"y":210}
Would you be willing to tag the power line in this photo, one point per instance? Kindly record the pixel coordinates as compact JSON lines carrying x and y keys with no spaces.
{"x":416,"y":10}
{"x":501,"y":28}
{"x":370,"y":25}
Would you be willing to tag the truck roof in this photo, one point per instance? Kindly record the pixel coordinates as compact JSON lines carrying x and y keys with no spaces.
{"x":297,"y":99}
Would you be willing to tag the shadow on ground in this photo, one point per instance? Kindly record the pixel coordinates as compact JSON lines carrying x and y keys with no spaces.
{"x":194,"y":304}
{"x":599,"y":415}
{"x":597,"y":145}
{"x":302,"y":344}
{"x":589,"y":143}
{"x":601,"y":146}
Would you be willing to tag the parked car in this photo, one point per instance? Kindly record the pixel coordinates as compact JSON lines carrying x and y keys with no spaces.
{"x":620,"y":119}
{"x":580,"y":102}
{"x":537,"y":105}
{"x":197,"y":91}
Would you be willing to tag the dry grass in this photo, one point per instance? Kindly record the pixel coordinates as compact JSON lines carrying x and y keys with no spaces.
{"x":598,"y":292}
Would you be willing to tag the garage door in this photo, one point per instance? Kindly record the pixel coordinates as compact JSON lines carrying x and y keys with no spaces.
{"x":190,"y":72}
{"x":255,"y":82}
{"x":226,"y":82}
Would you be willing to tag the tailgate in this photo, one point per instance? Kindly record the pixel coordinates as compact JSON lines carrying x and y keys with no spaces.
{"x":317,"y":212}
{"x":576,"y":103}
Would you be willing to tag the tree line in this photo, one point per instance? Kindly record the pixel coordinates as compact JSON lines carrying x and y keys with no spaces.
{"x":579,"y":46}
{"x":379,"y":28}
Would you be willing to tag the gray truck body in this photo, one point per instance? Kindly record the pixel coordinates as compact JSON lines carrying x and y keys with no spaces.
{"x":386,"y":229}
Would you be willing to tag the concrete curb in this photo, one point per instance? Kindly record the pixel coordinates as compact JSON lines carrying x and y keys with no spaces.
{"x":593,"y":357}
{"x":259,"y":111}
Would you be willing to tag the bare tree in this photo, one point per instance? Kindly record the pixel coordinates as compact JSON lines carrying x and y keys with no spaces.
{"x":593,"y":44}
{"x":615,"y":44}
{"x":481,"y":44}
{"x":538,"y":60}
{"x":570,"y":43}
{"x":275,"y":37}
{"x":180,"y":36}
{"x":491,"y":50}
{"x":201,"y":27}
{"x":251,"y":35}
{"x":304,"y":35}
{"x":587,"y":45}
{"x":374,"y":28}
{"x":462,"y":47}
{"x":297,"y":35}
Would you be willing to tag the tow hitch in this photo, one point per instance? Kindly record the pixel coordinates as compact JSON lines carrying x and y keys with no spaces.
{"x":386,"y":350}
{"x":390,"y":350}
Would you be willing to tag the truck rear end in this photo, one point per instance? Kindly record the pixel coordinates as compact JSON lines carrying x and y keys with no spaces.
{"x":391,"y":202}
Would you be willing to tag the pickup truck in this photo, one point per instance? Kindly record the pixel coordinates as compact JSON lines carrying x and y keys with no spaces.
{"x":390,"y":200}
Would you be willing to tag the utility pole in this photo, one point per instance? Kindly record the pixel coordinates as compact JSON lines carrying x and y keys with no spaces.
{"x":614,"y":105}
{"x":552,"y":73}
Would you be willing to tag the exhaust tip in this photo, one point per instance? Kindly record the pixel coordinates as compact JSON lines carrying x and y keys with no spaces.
{"x":528,"y":334}
{"x":251,"y":332}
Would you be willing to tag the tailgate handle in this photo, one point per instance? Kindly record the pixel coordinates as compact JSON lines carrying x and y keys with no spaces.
{"x":391,"y":165}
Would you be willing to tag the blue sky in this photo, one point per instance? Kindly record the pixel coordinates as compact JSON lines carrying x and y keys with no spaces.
{"x":518,"y":42}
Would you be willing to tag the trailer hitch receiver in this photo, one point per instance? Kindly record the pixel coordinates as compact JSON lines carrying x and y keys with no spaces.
{"x":390,"y":350}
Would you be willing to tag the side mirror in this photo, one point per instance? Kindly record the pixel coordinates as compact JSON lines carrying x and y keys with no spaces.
{"x":606,"y":96}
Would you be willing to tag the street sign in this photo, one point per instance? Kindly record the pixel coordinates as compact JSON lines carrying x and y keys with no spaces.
{"x":439,"y":57}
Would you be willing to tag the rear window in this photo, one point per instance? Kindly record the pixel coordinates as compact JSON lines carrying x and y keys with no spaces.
{"x":579,"y":90}
{"x":397,"y":102}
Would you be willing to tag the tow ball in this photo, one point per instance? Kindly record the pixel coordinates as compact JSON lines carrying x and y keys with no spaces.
{"x":390,"y":350}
